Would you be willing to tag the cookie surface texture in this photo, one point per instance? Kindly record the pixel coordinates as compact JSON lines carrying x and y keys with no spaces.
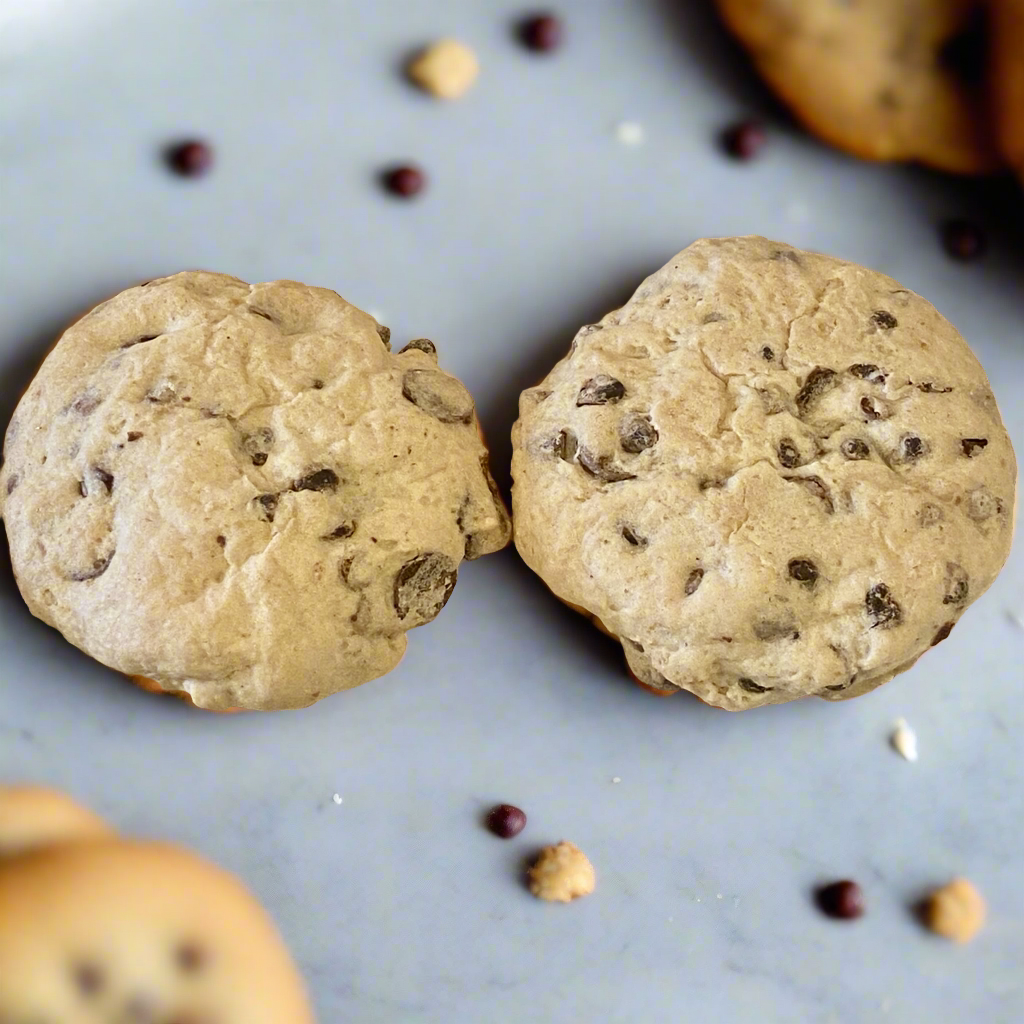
{"x":771,"y":474}
{"x":33,"y":816}
{"x":240,"y":492}
{"x":115,"y":930}
{"x":885,"y":80}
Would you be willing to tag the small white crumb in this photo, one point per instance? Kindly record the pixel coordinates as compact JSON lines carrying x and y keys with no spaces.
{"x":718,"y":895}
{"x":904,"y":739}
{"x":630,"y":133}
{"x":615,"y":778}
{"x":337,"y":798}
{"x":797,"y":212}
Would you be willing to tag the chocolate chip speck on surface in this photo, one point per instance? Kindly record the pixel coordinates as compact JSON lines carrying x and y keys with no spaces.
{"x":405,"y":181}
{"x":855,"y":449}
{"x":963,"y":240}
{"x":744,"y":140}
{"x":843,"y":900}
{"x":767,"y":354}
{"x":135,"y":435}
{"x":803,"y":571}
{"x":506,"y":820}
{"x":882,"y":608}
{"x":317,"y":480}
{"x":190,"y":958}
{"x":541,"y":32}
{"x":190,"y":159}
{"x":693,"y":581}
{"x":88,"y":978}
{"x":972,"y":446}
{"x":259,"y":459}
{"x":601,"y":390}
{"x":883,"y":319}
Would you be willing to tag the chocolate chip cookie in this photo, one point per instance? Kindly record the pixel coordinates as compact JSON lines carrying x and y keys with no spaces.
{"x":881,"y":79}
{"x":771,"y":474}
{"x":1007,"y":17}
{"x":240,"y":492}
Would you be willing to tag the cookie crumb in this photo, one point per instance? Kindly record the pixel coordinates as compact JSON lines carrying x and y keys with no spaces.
{"x":630,"y":133}
{"x":561,"y":873}
{"x":337,"y":799}
{"x":956,"y":911}
{"x":446,"y":69}
{"x":904,"y":740}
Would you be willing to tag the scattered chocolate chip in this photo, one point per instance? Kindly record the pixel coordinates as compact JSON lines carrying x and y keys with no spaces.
{"x":882,"y":607}
{"x":566,"y":445}
{"x":911,"y":448}
{"x":318,"y":384}
{"x":12,"y":482}
{"x":944,"y":630}
{"x":932,"y":389}
{"x":259,"y":459}
{"x":982,"y":504}
{"x":751,"y":687}
{"x":638,"y":434}
{"x":344,"y":568}
{"x":385,"y":335}
{"x":767,"y":354}
{"x":506,"y":821}
{"x":855,"y":449}
{"x":963,"y":240}
{"x":423,"y":586}
{"x":744,"y":140}
{"x":868,"y":372}
{"x":268,"y":505}
{"x":346,"y":529}
{"x":789,"y":454}
{"x":803,"y":571}
{"x":140,"y":340}
{"x":134,"y":435}
{"x":775,"y":629}
{"x":99,"y":567}
{"x":405,"y":181}
{"x":105,"y":478}
{"x":317,"y":480}
{"x":970,"y":446}
{"x":222,"y":540}
{"x":632,"y":537}
{"x":693,"y":581}
{"x":843,"y":900}
{"x":930,"y":514}
{"x":883,"y":319}
{"x":817,"y":487}
{"x":600,"y":390}
{"x":88,"y":979}
{"x":713,"y":318}
{"x":819,"y":381}
{"x":190,"y":159}
{"x":957,"y":584}
{"x":541,"y":33}
{"x":190,"y":958}
{"x":871,"y":409}
{"x":438,"y":395}
{"x":421,"y":345}
{"x":602,"y":467}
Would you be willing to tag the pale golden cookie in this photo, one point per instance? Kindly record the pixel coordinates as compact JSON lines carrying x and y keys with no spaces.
{"x":33,"y":816}
{"x":119,"y":932}
{"x":770,"y":474}
{"x":883,"y":79}
{"x":239,"y":492}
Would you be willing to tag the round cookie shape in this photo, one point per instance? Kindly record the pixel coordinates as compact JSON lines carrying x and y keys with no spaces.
{"x":240,"y":493}
{"x":34,"y":816}
{"x":883,"y":80}
{"x":824,"y":486}
{"x":116,"y":930}
{"x":1007,"y":40}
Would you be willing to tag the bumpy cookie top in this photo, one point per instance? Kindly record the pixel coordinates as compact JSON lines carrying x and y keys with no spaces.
{"x":112,"y":930}
{"x":240,"y":492}
{"x":770,"y":474}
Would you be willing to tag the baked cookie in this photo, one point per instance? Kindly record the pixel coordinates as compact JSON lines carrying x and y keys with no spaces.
{"x":114,"y":930}
{"x":1007,"y":35}
{"x":882,"y":79}
{"x":770,"y":474}
{"x":239,"y":492}
{"x":33,"y":816}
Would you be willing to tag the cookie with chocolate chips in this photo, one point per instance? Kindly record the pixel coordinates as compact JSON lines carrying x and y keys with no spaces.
{"x":804,"y":525}
{"x":882,"y":79}
{"x":239,"y":493}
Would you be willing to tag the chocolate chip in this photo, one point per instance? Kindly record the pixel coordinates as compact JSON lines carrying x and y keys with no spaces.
{"x":930,"y":514}
{"x":944,"y":630}
{"x":775,"y":629}
{"x":817,"y":487}
{"x":873,"y":410}
{"x":140,"y":340}
{"x":12,"y":482}
{"x":259,"y":459}
{"x":99,"y":567}
{"x":344,"y":568}
{"x":751,"y":687}
{"x":318,"y":384}
{"x":438,"y":395}
{"x":506,"y":821}
{"x":600,"y":390}
{"x":911,"y":448}
{"x":602,"y":467}
{"x":843,"y":900}
{"x":786,"y":255}
{"x":868,"y":372}
{"x":713,"y":317}
{"x":268,"y":505}
{"x":819,"y":381}
{"x":222,"y":540}
{"x":541,"y":33}
{"x":883,"y":319}
{"x":566,"y":445}
{"x":638,"y":434}
{"x":317,"y":480}
{"x":190,"y":159}
{"x":423,"y":586}
{"x":190,"y":958}
{"x":744,"y":140}
{"x":803,"y":571}
{"x":855,"y":449}
{"x":405,"y":181}
{"x":882,"y":607}
{"x":963,"y":240}
{"x":982,"y":504}
{"x":421,"y":345}
{"x":134,"y":435}
{"x":767,"y":354}
{"x":346,"y":529}
{"x":789,"y":454}
{"x":970,"y":446}
{"x":632,"y":537}
{"x":957,"y":584}
{"x":693,"y":581}
{"x":932,"y":389}
{"x":88,"y":979}
{"x":385,"y":335}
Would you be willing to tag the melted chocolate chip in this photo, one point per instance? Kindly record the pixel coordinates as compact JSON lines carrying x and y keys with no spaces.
{"x":268,"y":506}
{"x":506,"y":821}
{"x":541,"y":33}
{"x":944,"y":630}
{"x":767,"y":354}
{"x":318,"y":384}
{"x":693,"y":581}
{"x":855,"y":449}
{"x":222,"y":540}
{"x":957,"y":584}
{"x":632,"y":537}
{"x":803,"y":571}
{"x":819,"y":381}
{"x":789,"y":454}
{"x":259,"y":459}
{"x":405,"y":181}
{"x":600,"y":390}
{"x":884,"y":320}
{"x":602,"y":467}
{"x":843,"y":900}
{"x":970,"y":446}
{"x":135,"y":435}
{"x":868,"y":372}
{"x":817,"y":487}
{"x":99,"y":567}
{"x":932,"y":389}
{"x":438,"y":395}
{"x":912,"y":448}
{"x":190,"y":159}
{"x":423,"y":586}
{"x":882,"y":607}
{"x":317,"y":480}
{"x":385,"y":335}
{"x":868,"y":407}
{"x":346,"y":529}
{"x":750,"y":686}
{"x":421,"y":345}
{"x":638,"y":434}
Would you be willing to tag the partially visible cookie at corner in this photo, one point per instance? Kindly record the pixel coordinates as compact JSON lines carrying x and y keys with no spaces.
{"x":883,"y":80}
{"x":35,"y":816}
{"x":1007,"y":41}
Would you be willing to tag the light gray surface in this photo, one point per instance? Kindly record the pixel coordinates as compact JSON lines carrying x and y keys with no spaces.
{"x":398,"y":905}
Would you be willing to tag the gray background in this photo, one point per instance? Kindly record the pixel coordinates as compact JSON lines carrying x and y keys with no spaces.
{"x":398,"y":905}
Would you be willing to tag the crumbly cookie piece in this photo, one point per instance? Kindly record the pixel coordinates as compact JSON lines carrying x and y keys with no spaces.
{"x":114,"y":930}
{"x":562,"y":873}
{"x":240,"y":492}
{"x":1007,"y":38}
{"x":33,"y":816}
{"x":956,"y":911}
{"x":883,"y":80}
{"x":446,"y":69}
{"x":771,"y":474}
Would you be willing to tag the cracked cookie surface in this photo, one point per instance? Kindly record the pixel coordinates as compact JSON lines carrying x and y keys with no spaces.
{"x":824,"y":483}
{"x":240,"y":492}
